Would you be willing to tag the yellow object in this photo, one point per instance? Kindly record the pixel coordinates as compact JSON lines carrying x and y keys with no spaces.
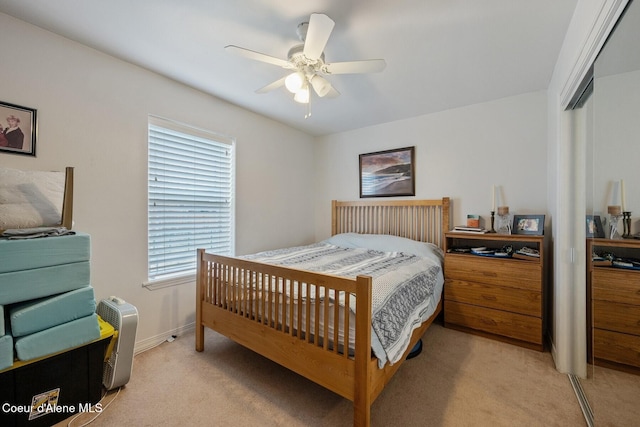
{"x":106,"y":330}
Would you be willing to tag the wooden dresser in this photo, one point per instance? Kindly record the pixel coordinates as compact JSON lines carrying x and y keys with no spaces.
{"x":613,"y":315}
{"x":500,"y":298}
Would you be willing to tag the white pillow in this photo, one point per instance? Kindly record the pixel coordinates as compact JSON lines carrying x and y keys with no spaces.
{"x":30,"y":199}
{"x":387,"y":243}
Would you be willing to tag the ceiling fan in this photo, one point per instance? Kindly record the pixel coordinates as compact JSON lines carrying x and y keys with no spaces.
{"x":307,"y":63}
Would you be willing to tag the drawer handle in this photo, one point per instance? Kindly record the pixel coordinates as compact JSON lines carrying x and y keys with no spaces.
{"x":489,"y":297}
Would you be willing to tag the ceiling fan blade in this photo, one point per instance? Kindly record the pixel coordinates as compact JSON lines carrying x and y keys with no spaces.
{"x":272,"y":86}
{"x":259,"y":56}
{"x":356,"y":67}
{"x":320,"y":27}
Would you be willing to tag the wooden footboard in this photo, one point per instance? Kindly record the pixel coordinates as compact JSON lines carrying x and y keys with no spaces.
{"x":244,"y":301}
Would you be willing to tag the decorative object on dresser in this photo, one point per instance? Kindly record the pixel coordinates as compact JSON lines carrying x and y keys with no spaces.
{"x":504,"y":221}
{"x":613,"y":301}
{"x":528,"y":224}
{"x":501,"y":296}
{"x":615,"y":213}
{"x":278,"y":321}
{"x":473,"y":221}
{"x":594,"y":226}
{"x":626,"y":224}
{"x":498,"y":199}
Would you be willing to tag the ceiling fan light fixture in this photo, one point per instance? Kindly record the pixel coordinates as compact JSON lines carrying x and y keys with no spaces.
{"x":302,"y":96}
{"x":294,"y":81}
{"x":320,"y":85}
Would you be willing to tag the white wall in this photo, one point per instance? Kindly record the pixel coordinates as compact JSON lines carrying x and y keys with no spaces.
{"x":460,"y":153}
{"x":92,"y":114}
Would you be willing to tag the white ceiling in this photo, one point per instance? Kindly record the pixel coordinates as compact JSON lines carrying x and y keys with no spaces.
{"x":440,"y":54}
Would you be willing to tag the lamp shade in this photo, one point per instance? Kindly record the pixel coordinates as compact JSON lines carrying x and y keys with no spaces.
{"x":302,"y":96}
{"x":294,"y":81}
{"x":320,"y":85}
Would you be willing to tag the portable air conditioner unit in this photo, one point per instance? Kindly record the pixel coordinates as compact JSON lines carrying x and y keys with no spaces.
{"x":124,"y":319}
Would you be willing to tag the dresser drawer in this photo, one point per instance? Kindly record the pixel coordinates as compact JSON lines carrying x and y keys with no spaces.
{"x":614,"y":316}
{"x":494,"y":271}
{"x":616,"y":347}
{"x":512,"y":325}
{"x":616,"y":285}
{"x":521,"y":301}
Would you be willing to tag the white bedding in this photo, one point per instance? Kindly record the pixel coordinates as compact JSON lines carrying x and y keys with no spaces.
{"x":30,"y":198}
{"x":407,"y":281}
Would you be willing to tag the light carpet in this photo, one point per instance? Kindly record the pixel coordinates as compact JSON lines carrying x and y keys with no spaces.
{"x":458,"y":380}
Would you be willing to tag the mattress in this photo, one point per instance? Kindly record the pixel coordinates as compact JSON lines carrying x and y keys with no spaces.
{"x":407,"y":282}
{"x":59,"y":338}
{"x":44,"y":313}
{"x":6,"y":352}
{"x":18,"y":286}
{"x":27,"y":254}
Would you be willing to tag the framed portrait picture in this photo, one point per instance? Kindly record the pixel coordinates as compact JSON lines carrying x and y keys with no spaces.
{"x":528,"y":224}
{"x":18,"y":128}
{"x":388,"y":173}
{"x":594,"y":226}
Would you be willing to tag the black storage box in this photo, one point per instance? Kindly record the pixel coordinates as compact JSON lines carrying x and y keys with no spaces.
{"x":73,"y":377}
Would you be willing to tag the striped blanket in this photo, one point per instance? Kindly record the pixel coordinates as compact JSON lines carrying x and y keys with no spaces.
{"x":406,"y":287}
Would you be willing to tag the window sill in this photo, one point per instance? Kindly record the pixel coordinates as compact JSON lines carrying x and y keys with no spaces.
{"x":169,"y":282}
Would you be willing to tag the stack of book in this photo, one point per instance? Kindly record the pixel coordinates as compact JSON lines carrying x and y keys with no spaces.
{"x":466,"y":229}
{"x":626,"y":263}
{"x":601,"y":261}
{"x":489,"y":252}
{"x":526,"y":253}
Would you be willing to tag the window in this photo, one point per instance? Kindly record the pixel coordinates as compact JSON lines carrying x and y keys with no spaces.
{"x":191,"y":199}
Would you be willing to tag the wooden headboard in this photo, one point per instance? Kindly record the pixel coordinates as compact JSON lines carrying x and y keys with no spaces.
{"x":421,"y":220}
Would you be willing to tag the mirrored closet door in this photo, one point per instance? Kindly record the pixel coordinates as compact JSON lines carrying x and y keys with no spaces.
{"x":612,"y":114}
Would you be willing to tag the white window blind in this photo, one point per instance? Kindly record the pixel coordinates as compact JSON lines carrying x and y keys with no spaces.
{"x":191,"y":197}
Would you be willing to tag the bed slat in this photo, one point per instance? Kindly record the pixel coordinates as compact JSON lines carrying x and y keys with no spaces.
{"x":421,"y":220}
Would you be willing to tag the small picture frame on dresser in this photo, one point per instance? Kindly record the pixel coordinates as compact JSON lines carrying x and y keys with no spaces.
{"x":528,"y":224}
{"x":594,"y":226}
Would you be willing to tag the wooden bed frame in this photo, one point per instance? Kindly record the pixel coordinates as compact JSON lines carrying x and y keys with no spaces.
{"x":252,"y":318}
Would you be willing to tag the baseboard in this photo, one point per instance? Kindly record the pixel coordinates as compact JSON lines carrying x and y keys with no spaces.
{"x":154,"y":341}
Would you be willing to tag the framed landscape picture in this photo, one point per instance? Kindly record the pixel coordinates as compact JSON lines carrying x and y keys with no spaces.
{"x":17,"y":129}
{"x":388,"y":173}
